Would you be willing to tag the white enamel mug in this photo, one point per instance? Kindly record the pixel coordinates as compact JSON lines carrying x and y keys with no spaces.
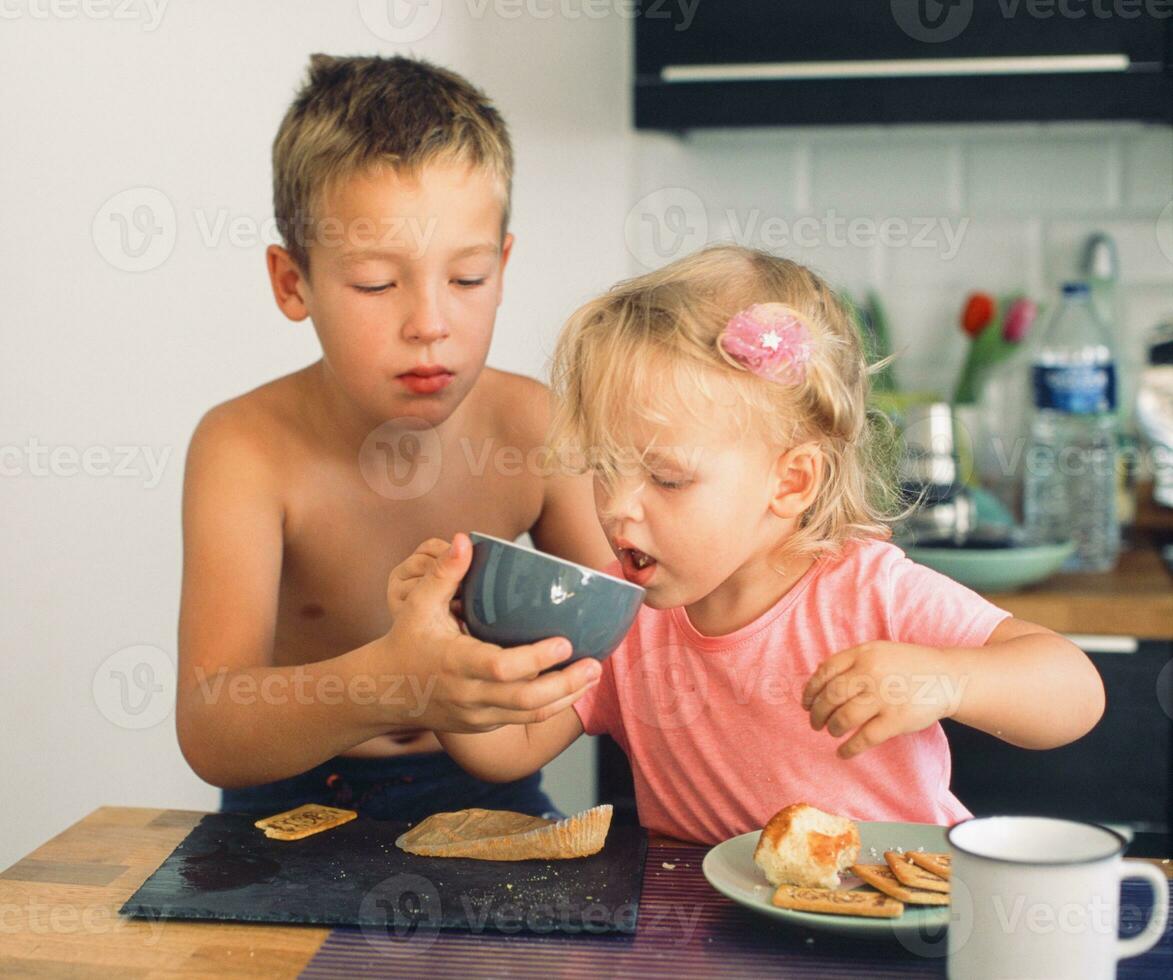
{"x":1039,"y":897}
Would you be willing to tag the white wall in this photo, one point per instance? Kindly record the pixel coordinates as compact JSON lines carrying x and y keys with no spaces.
{"x":100,"y":358}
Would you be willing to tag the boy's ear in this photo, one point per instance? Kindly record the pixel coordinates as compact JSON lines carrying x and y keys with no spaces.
{"x":289,"y":285}
{"x":798,"y":474}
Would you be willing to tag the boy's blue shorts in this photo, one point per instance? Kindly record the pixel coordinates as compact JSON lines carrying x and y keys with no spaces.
{"x":405,"y":788}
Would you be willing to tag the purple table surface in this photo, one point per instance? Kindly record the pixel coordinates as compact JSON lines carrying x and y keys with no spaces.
{"x":686,"y":929}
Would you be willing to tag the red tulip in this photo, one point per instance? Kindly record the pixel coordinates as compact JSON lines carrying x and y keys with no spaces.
{"x":1019,"y":317}
{"x":979,"y":311}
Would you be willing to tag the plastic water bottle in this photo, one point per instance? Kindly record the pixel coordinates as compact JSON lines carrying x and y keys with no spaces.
{"x":1070,"y":479}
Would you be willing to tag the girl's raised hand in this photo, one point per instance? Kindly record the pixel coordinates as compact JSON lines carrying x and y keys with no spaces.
{"x":879,"y":690}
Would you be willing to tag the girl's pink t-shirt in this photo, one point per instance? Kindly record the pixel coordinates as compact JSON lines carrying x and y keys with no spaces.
{"x":714,"y":726}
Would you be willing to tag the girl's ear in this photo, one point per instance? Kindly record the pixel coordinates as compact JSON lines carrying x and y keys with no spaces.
{"x":798,"y":473}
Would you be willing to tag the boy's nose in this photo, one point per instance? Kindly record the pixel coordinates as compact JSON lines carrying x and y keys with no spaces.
{"x":425,"y":324}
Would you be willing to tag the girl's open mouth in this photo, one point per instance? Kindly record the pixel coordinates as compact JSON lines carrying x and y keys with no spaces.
{"x":638,"y":567}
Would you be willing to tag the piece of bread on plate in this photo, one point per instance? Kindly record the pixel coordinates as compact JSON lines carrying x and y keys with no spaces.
{"x":802,"y":845}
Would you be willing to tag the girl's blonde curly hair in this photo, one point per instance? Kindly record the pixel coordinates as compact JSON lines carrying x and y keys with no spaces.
{"x":646,"y":350}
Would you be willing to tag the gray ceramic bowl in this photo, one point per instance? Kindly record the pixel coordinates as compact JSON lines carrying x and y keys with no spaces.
{"x":512,"y":595}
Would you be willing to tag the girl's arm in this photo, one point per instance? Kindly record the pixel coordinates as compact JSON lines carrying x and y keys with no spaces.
{"x":1028,"y":686}
{"x":513,"y":751}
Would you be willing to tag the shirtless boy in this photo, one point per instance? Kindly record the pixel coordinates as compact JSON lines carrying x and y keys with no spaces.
{"x":391,"y":188}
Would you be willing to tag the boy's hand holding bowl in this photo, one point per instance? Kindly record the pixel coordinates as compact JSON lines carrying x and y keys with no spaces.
{"x":513,"y":598}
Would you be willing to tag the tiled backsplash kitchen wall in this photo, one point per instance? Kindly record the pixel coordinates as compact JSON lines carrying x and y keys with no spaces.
{"x":924,"y":215}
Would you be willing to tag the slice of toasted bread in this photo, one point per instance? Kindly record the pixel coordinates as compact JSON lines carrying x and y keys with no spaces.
{"x":802,"y":845}
{"x":834,"y":902}
{"x":501,"y":835}
{"x":939,"y":864}
{"x":913,"y":875}
{"x":879,"y":876}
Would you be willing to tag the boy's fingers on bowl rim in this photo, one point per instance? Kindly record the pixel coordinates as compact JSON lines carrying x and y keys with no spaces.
{"x":549,"y":690}
{"x":508,"y":665}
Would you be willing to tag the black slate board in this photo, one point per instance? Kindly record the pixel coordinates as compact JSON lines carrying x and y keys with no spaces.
{"x":227,"y":869}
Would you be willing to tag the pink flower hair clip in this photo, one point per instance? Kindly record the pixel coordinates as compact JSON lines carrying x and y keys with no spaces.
{"x":770,"y":339}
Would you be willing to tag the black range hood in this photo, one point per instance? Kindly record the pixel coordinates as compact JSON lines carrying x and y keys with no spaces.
{"x":702,"y":63}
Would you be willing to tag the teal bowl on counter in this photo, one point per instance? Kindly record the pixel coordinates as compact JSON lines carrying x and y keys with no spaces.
{"x":513,"y":595}
{"x":995,"y":569}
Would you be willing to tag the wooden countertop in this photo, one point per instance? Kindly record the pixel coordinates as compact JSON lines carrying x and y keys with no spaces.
{"x":59,"y":909}
{"x":1134,"y":599}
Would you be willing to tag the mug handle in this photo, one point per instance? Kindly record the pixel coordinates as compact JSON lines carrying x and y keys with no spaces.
{"x":1148,"y":937}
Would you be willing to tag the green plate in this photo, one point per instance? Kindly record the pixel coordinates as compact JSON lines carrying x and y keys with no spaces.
{"x":995,"y":569}
{"x":730,"y":869}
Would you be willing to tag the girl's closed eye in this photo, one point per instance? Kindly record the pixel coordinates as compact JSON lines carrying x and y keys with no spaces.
{"x":470,"y":283}
{"x":673,"y":482}
{"x":375,"y":289}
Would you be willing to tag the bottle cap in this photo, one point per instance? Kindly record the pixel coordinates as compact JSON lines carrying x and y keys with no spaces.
{"x":1100,"y":258}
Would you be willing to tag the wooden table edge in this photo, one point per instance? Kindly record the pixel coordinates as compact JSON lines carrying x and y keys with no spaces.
{"x":70,"y":888}
{"x":60,"y":909}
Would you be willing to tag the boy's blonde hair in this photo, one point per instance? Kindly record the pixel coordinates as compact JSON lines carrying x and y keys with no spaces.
{"x":354,"y":115}
{"x":647,"y":348}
